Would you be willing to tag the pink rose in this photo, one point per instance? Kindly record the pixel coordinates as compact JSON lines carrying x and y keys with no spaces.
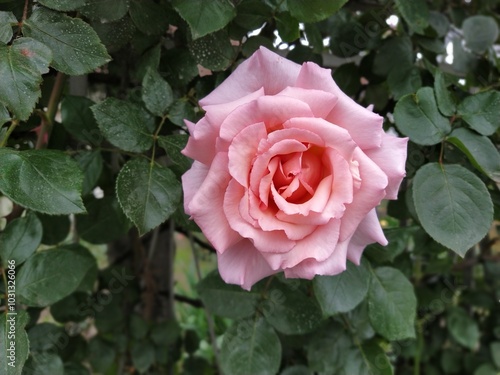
{"x":288,"y":171}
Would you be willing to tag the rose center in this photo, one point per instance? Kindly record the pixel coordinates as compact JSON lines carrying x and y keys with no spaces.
{"x":298,"y":174}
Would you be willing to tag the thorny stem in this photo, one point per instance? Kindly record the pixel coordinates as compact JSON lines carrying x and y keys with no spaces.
{"x":25,"y":10}
{"x":210,"y":321}
{"x":48,"y":119}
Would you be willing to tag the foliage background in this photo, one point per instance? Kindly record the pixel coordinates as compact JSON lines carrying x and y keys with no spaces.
{"x":111,"y":277}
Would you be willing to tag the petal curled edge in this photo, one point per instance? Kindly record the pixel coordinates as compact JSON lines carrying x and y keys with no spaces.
{"x":320,"y":102}
{"x":236,"y":208}
{"x":391,"y":158}
{"x":191,"y":182}
{"x":368,"y":196}
{"x":310,"y":267}
{"x":263,"y":69}
{"x":242,"y":264}
{"x":205,"y":207}
{"x":368,"y":232}
{"x":318,"y":246}
{"x":364,"y":126}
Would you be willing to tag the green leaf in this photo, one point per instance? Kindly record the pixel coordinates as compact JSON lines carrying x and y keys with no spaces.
{"x":418,"y":117}
{"x":314,"y":37}
{"x":227,"y":300}
{"x":453,"y":205}
{"x":55,"y":228}
{"x":445,"y":101}
{"x":45,"y":336}
{"x":288,"y":27}
{"x":205,"y":16}
{"x":290,"y":310}
{"x":49,"y":276}
{"x":394,"y":53}
{"x":480,"y":111}
{"x":75,"y":45}
{"x":157,"y":94}
{"x":314,"y":10}
{"x":12,"y":362}
{"x":343,"y":292}
{"x":21,"y":67}
{"x":369,"y":359}
{"x":7,"y":20}
{"x":213,"y":51}
{"x":125,"y":124}
{"x":4,"y":117}
{"x":180,"y":110}
{"x":173,"y":144}
{"x":149,"y":17}
{"x":63,"y":5}
{"x":69,"y":309}
{"x":404,"y":80}
{"x":73,"y":368}
{"x":415,"y":13}
{"x":392,"y":304}
{"x":463,"y":328}
{"x":109,"y":10}
{"x":328,"y":349}
{"x":28,"y":179}
{"x":78,"y":120}
{"x":44,"y":363}
{"x":495,"y":352}
{"x":148,"y":193}
{"x":104,"y":223}
{"x":480,"y":32}
{"x":20,"y":239}
{"x":250,"y":346}
{"x":143,"y":355}
{"x":486,"y":369}
{"x":481,"y":152}
{"x":165,"y":333}
{"x":252,"y":14}
{"x":91,"y":164}
{"x":114,"y":35}
{"x":101,"y":354}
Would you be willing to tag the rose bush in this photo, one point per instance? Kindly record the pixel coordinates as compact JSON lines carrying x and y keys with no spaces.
{"x":288,"y":171}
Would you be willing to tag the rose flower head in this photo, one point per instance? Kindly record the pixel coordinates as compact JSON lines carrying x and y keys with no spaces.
{"x":288,"y":171}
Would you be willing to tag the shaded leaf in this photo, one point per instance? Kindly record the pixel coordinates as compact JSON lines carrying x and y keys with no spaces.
{"x":453,"y":205}
{"x":78,"y":119}
{"x":417,"y":116}
{"x":109,"y":10}
{"x":7,"y":20}
{"x":28,"y":179}
{"x":463,"y":328}
{"x":149,"y":17}
{"x":75,"y":45}
{"x":51,"y":275}
{"x":480,"y":32}
{"x":125,"y":124}
{"x":415,"y":12}
{"x":63,"y":5}
{"x":148,"y":193}
{"x":12,"y":362}
{"x":20,"y":239}
{"x":21,"y":67}
{"x":157,"y":94}
{"x":173,"y":144}
{"x":481,"y":111}
{"x":313,"y":10}
{"x":205,"y":16}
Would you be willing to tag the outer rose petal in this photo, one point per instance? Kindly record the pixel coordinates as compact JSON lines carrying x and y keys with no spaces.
{"x":364,"y":126}
{"x":201,"y":143}
{"x":372,"y":191}
{"x":318,"y":246}
{"x":334,"y":265}
{"x":320,"y":102}
{"x":191,"y":182}
{"x":210,"y":217}
{"x":263,"y":69}
{"x":369,"y":231}
{"x":391,"y":158}
{"x":242,"y":264}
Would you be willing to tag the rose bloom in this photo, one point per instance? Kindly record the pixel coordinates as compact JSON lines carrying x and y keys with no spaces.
{"x":288,"y":171}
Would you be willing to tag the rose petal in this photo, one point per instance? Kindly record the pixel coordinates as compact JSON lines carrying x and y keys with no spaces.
{"x":242,"y":264}
{"x":364,"y":126}
{"x":210,"y":217}
{"x":191,"y":182}
{"x":369,"y":231}
{"x":320,"y":102}
{"x":236,"y":206}
{"x":372,"y":191}
{"x":243,"y":150}
{"x":333,"y":136}
{"x":391,"y":158}
{"x":333,"y":265}
{"x":201,"y":143}
{"x":319,"y":246}
{"x":263,"y":68}
{"x":271,"y":110}
{"x":216,"y":114}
